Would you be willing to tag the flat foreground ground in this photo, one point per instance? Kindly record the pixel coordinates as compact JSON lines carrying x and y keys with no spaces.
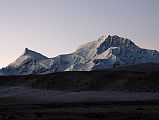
{"x":81,"y":111}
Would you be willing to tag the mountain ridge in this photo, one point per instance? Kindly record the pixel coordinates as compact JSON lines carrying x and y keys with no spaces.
{"x":105,"y":52}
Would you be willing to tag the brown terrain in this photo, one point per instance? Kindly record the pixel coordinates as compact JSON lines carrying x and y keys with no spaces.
{"x":138,"y":78}
{"x":81,"y":111}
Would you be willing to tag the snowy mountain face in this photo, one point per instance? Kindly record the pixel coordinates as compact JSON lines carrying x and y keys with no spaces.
{"x":25,"y":64}
{"x":106,"y":52}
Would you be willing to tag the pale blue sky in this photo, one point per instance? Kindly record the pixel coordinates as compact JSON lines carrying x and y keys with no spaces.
{"x":55,"y":27}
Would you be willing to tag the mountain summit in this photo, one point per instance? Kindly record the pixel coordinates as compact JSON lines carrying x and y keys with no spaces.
{"x":24,"y":64}
{"x":26,"y":57}
{"x":106,"y":52}
{"x":35,"y":55}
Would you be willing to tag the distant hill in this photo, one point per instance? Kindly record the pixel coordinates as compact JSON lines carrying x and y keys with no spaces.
{"x":136,"y":78}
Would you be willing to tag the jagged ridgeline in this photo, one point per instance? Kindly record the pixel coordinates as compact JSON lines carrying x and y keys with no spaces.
{"x":106,"y":52}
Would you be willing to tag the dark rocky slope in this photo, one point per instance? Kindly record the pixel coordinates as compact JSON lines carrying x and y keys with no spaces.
{"x":136,"y":78}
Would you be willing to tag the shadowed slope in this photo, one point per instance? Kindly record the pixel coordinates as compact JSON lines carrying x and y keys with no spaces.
{"x":144,"y":78}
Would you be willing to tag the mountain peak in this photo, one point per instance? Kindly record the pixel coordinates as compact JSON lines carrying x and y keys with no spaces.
{"x":26,"y":51}
{"x":116,"y":41}
{"x":35,"y":55}
{"x":27,"y":57}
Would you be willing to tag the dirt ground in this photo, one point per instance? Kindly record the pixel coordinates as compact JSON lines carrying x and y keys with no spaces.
{"x":81,"y":111}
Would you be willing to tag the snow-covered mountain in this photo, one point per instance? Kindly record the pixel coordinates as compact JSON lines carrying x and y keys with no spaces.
{"x":25,"y":64}
{"x":106,"y":52}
